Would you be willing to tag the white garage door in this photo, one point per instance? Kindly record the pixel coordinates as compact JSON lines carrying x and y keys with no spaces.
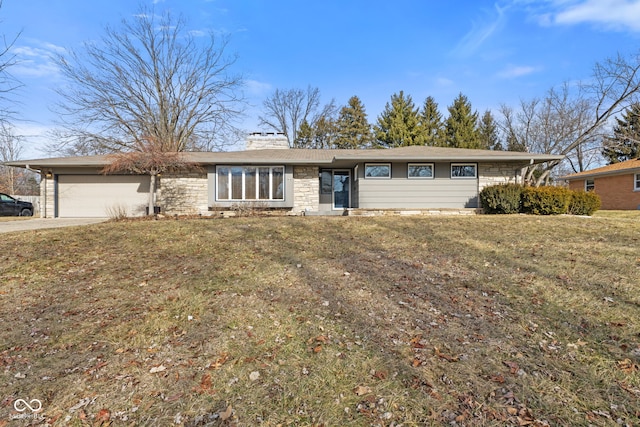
{"x":102,"y":196}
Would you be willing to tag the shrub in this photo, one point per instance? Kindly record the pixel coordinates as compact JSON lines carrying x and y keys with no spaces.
{"x":545,"y":200}
{"x":584,"y":203}
{"x":501,"y":199}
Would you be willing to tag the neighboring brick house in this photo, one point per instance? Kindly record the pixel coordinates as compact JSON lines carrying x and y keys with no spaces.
{"x":618,"y":184}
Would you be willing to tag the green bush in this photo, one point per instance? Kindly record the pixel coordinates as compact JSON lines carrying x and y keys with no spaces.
{"x":501,"y":199}
{"x":546,"y":200}
{"x":584,"y":203}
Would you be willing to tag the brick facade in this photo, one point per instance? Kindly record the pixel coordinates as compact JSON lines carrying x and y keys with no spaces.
{"x":616,"y":191}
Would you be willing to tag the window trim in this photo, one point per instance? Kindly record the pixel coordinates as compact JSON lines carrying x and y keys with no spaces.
{"x":257,"y":175}
{"x":636,"y":182}
{"x":589,"y":187}
{"x":433,"y":170}
{"x":475,"y":169}
{"x":377,"y":164}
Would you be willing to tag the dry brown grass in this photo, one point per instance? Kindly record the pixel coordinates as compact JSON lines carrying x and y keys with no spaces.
{"x":469,"y":321}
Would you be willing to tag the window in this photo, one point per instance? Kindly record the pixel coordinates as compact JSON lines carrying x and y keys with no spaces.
{"x":636,"y":186}
{"x":420,"y":170}
{"x":250,"y":182}
{"x":589,"y":185}
{"x":326,"y":181}
{"x":377,"y":170}
{"x":463,"y":170}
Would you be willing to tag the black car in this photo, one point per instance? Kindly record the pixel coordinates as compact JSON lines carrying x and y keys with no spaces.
{"x":12,"y":207}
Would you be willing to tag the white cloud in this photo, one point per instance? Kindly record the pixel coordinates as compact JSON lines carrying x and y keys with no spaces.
{"x":444,"y":82}
{"x":616,"y":15}
{"x":36,"y":59}
{"x":613,"y":14}
{"x":513,"y":71}
{"x":256,"y":88}
{"x":480,"y":32}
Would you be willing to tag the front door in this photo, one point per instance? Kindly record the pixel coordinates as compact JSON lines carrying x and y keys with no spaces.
{"x":341,"y":189}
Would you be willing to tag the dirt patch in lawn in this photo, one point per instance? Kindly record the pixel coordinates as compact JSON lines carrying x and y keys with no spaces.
{"x":510,"y":320}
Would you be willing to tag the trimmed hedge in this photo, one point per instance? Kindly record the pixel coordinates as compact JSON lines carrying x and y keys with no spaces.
{"x":547,"y":200}
{"x":584,"y":203}
{"x":501,"y":199}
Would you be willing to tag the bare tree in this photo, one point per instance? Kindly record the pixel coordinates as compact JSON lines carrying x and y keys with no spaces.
{"x":148,"y":158}
{"x":14,"y":180}
{"x":570,"y":121}
{"x":149,"y":80}
{"x":287,"y":110}
{"x":8,"y":83}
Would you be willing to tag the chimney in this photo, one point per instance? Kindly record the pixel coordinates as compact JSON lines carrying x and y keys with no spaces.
{"x":266,"y":140}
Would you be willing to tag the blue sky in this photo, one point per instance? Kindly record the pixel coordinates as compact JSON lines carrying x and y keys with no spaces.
{"x":494,"y":52}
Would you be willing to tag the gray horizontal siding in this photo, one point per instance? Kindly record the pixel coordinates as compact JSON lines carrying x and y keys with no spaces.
{"x":399,"y":192}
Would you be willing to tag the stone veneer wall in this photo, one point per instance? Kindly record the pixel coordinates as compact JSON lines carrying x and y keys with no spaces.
{"x":306,"y":189}
{"x":183,"y":194}
{"x":46,"y":197}
{"x":497,"y":173}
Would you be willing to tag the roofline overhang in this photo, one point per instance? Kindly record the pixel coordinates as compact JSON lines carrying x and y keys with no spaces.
{"x":599,"y":174}
{"x":101,"y":161}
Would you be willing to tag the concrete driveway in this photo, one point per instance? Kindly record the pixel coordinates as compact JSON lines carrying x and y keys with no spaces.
{"x":42,"y":223}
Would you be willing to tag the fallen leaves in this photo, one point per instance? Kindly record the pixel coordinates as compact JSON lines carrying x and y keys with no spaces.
{"x":444,"y":356}
{"x":157,"y":369}
{"x":361,"y":390}
{"x":226,"y":414}
{"x":627,"y":366}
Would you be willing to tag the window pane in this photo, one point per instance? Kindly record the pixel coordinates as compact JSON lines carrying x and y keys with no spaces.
{"x":277,"y":183}
{"x":263,"y":175}
{"x":325,"y":182}
{"x":236,"y":183}
{"x":250,"y":183}
{"x":463,"y":171}
{"x":421,"y":171}
{"x":377,"y":171}
{"x":223,"y":183}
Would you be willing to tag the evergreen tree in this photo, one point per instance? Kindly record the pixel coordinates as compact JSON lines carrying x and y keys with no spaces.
{"x":398,"y":124}
{"x":352,"y":127}
{"x":488,"y":132}
{"x":430,"y":121}
{"x":514,"y":145}
{"x":304,"y":136}
{"x":625,"y":142}
{"x":461,"y":126}
{"x":324,"y":132}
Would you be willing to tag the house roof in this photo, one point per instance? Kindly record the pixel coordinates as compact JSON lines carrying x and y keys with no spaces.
{"x":312,"y":156}
{"x":629,"y":166}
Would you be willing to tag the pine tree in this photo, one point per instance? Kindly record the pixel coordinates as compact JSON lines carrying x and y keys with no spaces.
{"x":514,"y":145}
{"x":488,"y":132}
{"x":352,"y":127}
{"x":461,"y":126}
{"x":398,"y":124}
{"x":304,"y":136}
{"x":430,"y":120}
{"x":625,"y":142}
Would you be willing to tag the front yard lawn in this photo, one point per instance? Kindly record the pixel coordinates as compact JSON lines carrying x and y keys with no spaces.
{"x":468,"y":321}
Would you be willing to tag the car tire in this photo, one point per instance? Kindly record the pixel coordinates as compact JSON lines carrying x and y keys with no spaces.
{"x":26,"y":212}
